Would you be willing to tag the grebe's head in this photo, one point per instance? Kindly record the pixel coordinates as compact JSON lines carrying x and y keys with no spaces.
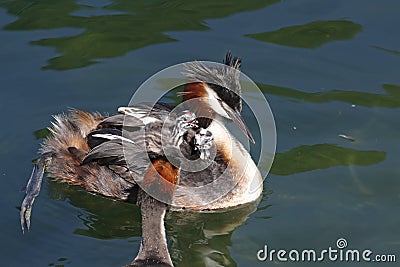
{"x":218,"y":92}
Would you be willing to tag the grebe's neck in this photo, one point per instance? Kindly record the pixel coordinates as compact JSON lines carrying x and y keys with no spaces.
{"x":243,"y":169}
{"x":153,"y":248}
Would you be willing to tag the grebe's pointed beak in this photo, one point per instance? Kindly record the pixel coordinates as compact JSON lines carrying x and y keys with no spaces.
{"x":237,"y":118}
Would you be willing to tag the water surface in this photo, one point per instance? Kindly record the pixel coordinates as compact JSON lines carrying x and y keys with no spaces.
{"x":326,"y":67}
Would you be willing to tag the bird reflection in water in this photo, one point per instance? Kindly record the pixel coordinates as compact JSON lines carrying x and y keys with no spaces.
{"x":195,"y":238}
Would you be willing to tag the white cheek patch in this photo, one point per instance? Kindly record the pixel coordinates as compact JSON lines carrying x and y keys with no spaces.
{"x":215,"y":104}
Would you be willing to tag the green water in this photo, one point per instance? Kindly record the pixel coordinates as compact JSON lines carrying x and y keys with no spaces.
{"x":327,"y":68}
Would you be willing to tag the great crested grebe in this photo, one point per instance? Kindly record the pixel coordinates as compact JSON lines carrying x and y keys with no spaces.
{"x":92,"y":151}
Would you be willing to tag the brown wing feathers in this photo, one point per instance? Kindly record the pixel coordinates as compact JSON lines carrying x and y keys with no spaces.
{"x":80,"y":154}
{"x":67,"y":148}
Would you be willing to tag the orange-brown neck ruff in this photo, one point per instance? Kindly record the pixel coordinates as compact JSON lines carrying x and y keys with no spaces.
{"x":199,"y":105}
{"x":162,"y":177}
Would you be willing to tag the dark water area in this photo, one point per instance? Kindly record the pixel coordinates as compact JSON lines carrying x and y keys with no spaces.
{"x":327,"y":68}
